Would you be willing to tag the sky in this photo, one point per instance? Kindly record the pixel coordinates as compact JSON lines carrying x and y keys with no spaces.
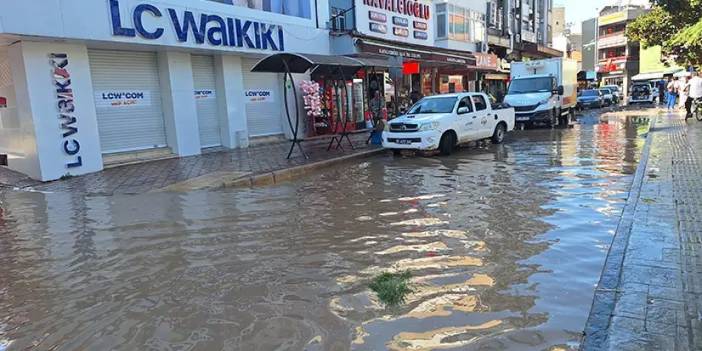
{"x":579,"y":10}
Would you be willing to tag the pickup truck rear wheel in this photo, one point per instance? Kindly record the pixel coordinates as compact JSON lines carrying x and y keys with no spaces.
{"x":499,"y":135}
{"x":447,"y":143}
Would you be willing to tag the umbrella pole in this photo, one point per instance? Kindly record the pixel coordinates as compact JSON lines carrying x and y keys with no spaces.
{"x":344,"y":131}
{"x":294,"y":129}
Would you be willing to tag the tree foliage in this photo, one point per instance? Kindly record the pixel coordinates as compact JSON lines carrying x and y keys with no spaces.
{"x":675,"y":25}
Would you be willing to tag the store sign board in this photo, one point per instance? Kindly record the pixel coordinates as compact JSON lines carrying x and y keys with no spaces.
{"x":254,"y":96}
{"x":408,"y":55}
{"x":153,"y":23}
{"x":205,"y":94}
{"x":407,"y":21}
{"x":612,"y":18}
{"x":122,"y":98}
{"x":65,"y":104}
{"x":486,"y":61}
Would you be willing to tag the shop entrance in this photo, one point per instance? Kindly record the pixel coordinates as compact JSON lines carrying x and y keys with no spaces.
{"x":263,"y":98}
{"x":127,"y":100}
{"x":206,"y":100}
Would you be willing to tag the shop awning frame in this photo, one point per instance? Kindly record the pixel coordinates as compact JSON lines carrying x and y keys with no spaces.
{"x":342,"y":67}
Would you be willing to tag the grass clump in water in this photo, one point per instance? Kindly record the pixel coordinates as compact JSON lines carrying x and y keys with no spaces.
{"x":391,"y":288}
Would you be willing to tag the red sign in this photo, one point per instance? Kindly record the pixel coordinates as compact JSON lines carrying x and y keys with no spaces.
{"x":488,"y":61}
{"x":3,"y":102}
{"x":410,"y":67}
{"x":403,"y":7}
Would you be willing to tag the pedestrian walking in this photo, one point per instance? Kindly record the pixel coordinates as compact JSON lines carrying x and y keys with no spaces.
{"x":683,"y":89}
{"x":662,"y":93}
{"x":672,"y":93}
{"x":694,"y":92}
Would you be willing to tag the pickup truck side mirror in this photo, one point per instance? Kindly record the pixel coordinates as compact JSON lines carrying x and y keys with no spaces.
{"x":560,"y":91}
{"x":463,"y":110}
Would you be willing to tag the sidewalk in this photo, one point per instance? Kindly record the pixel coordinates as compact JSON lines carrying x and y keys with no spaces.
{"x":257,"y":165}
{"x":649,"y":295}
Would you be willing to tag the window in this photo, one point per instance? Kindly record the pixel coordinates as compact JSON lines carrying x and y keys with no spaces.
{"x":441,"y":23}
{"x":297,"y":8}
{"x":465,"y":102}
{"x":458,"y":29}
{"x":463,"y":24}
{"x":434,"y":105}
{"x":338,"y":19}
{"x":480,"y":104}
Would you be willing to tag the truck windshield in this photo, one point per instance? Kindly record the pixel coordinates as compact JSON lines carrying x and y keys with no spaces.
{"x":531,"y":85}
{"x":434,"y":105}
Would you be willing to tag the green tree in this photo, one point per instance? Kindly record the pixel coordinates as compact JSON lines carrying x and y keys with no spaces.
{"x":675,"y":25}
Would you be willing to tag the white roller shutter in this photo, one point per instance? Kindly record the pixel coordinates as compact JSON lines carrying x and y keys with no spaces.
{"x":264,"y":118}
{"x":128,"y":128}
{"x":206,"y":100}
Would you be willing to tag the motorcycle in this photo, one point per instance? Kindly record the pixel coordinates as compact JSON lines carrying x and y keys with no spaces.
{"x":697,"y":108}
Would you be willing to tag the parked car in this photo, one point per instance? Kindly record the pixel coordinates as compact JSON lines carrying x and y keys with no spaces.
{"x":442,"y":122}
{"x":607,"y":97}
{"x":591,"y":98}
{"x":616,"y":91}
{"x":641,"y":93}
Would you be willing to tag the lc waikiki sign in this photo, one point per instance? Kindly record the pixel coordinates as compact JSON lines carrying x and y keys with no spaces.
{"x":212,"y":29}
{"x":66,"y":108}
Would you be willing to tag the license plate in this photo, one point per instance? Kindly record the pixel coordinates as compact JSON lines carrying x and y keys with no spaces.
{"x":522,"y":118}
{"x":404,"y":141}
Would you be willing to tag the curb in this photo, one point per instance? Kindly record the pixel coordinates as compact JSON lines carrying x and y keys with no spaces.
{"x":292,"y":173}
{"x":597,"y":326}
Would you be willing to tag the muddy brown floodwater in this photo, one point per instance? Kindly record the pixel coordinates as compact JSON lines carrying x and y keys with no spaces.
{"x":505,"y":244}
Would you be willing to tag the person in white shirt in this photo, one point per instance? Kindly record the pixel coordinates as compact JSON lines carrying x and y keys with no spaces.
{"x":684,"y":89}
{"x":694,"y":92}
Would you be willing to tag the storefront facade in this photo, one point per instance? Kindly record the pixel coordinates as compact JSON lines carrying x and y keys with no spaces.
{"x":84,"y":80}
{"x":434,"y":56}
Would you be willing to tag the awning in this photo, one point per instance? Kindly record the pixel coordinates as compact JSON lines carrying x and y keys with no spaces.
{"x":302,"y":63}
{"x":681,"y":74}
{"x":587,"y":75}
{"x":496,"y":76}
{"x":418,"y":54}
{"x":648,"y":76}
{"x":677,"y":72}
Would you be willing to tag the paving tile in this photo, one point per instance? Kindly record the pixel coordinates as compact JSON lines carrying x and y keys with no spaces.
{"x":148,"y":176}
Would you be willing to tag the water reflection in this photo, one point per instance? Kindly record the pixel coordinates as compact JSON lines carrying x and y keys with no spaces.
{"x":505,"y":244}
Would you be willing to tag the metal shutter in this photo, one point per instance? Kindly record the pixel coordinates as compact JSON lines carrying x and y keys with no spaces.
{"x":263,"y":118}
{"x":128,"y":128}
{"x":207,"y":113}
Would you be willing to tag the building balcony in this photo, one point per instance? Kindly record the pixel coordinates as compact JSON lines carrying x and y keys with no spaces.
{"x":612,"y":40}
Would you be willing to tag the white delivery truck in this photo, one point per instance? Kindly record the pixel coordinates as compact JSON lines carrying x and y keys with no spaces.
{"x":543,"y":91}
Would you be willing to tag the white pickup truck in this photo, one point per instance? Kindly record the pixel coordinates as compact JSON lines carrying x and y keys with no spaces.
{"x":444,"y":121}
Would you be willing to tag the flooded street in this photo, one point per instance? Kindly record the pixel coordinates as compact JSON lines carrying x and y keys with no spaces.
{"x":505,"y":245}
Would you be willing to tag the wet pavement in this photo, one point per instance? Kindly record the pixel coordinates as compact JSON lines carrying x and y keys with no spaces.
{"x":648,"y":297}
{"x":505,"y":244}
{"x":211,"y":169}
